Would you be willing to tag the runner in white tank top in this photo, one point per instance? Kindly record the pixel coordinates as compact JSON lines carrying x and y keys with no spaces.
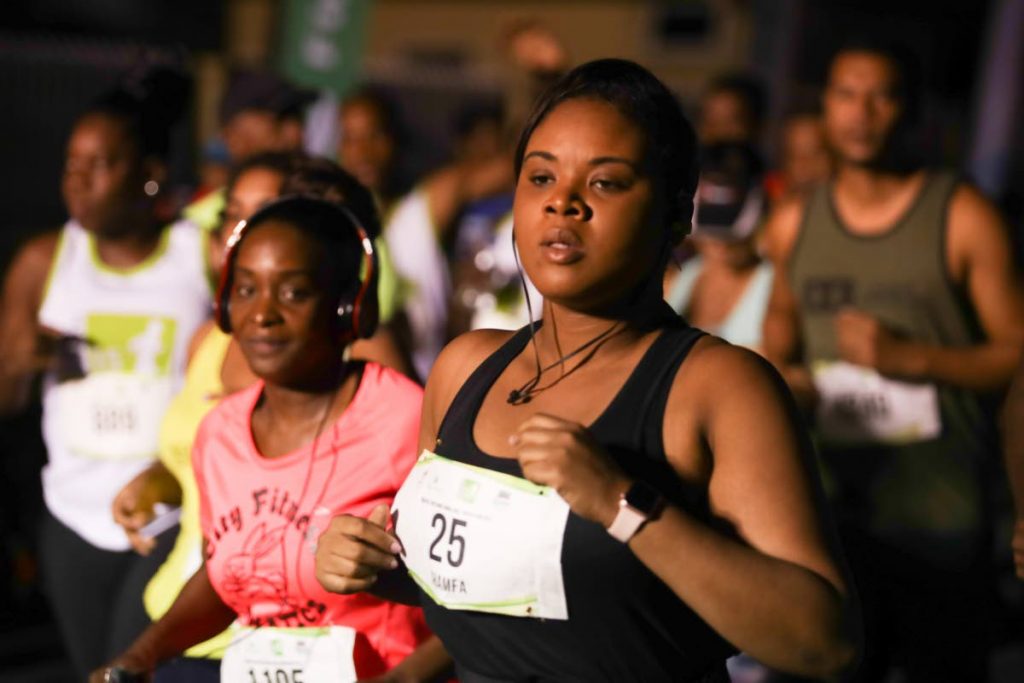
{"x":131,"y":329}
{"x":103,"y":309}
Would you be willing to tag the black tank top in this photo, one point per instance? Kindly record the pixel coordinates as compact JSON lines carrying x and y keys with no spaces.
{"x":624,"y":623}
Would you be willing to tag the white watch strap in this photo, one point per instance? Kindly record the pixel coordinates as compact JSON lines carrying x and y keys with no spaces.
{"x":626,"y":523}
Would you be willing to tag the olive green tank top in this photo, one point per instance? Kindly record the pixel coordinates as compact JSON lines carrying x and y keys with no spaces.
{"x":928,"y":483}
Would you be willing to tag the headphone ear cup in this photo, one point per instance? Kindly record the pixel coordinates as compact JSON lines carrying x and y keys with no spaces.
{"x":366,"y":298}
{"x":346,"y":317}
{"x":367,"y":313}
{"x":222,"y":301}
{"x":359,"y":316}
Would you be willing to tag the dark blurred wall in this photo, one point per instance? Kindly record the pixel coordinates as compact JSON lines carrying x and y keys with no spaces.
{"x":196,"y":24}
{"x":55,"y":57}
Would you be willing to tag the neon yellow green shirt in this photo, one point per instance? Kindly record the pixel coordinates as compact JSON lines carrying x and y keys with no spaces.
{"x":200,"y":393}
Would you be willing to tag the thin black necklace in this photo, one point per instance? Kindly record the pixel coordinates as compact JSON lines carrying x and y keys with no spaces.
{"x":527,"y":390}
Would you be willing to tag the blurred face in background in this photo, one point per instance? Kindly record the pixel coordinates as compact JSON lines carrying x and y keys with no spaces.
{"x":483,"y":141}
{"x":251,"y":131}
{"x":725,"y":117}
{"x":862,"y":107}
{"x":805,"y":155}
{"x":291,"y":131}
{"x":103,"y":178}
{"x":251,"y":190}
{"x":367,"y":147}
{"x":726,"y":241}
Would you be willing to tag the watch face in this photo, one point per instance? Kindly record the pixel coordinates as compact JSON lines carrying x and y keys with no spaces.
{"x":644,"y":498}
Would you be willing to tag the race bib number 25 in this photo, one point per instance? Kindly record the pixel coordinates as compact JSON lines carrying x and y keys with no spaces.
{"x":479,"y":540}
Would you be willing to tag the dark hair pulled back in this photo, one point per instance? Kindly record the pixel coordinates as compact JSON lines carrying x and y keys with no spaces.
{"x":314,"y":177}
{"x":149,"y":99}
{"x":643,"y":99}
{"x":323,"y":179}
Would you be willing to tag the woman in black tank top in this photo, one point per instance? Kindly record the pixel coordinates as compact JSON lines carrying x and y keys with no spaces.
{"x":687,"y":521}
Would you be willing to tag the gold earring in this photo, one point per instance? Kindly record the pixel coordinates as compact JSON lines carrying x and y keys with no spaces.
{"x":151,"y":188}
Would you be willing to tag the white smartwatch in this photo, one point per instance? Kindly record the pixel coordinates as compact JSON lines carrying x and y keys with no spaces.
{"x":637,"y":506}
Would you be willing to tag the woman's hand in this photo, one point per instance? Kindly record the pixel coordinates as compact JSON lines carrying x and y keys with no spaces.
{"x":562,"y":454}
{"x":124,"y":669}
{"x":863,"y":340}
{"x":536,"y":49}
{"x":353,"y":551}
{"x":133,"y":505}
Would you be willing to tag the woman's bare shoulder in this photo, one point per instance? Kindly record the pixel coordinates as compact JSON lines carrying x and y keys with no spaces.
{"x":463,"y":355}
{"x":717,"y":375}
{"x":27,"y":274}
{"x":452,"y":368}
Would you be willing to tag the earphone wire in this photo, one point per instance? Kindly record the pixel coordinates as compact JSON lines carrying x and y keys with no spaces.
{"x":525,"y":392}
{"x":345,"y":367}
{"x":302,"y":495}
{"x":529,"y":306}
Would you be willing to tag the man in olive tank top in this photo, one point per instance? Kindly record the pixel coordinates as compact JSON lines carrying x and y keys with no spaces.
{"x":896,"y":317}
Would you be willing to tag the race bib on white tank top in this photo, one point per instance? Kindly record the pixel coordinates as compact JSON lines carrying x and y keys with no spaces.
{"x":856,"y":404}
{"x":484,"y":541}
{"x":290,"y":655}
{"x":121,"y":349}
{"x":113,"y":415}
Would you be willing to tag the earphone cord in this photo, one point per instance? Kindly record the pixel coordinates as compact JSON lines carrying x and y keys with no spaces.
{"x":525,"y":392}
{"x":345,"y":367}
{"x":529,"y":306}
{"x":305,"y":487}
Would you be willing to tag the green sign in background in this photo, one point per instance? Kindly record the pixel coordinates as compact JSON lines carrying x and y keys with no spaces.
{"x":323,"y":40}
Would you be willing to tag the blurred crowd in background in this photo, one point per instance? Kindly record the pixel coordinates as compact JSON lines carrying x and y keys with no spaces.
{"x":422,"y":101}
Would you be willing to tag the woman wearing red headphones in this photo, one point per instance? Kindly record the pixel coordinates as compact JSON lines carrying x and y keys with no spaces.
{"x":318,"y":435}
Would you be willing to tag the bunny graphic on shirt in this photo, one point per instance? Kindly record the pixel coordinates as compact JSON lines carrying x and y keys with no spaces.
{"x":256,"y":575}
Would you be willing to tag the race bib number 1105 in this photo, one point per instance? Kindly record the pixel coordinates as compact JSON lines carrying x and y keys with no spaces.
{"x":290,"y":655}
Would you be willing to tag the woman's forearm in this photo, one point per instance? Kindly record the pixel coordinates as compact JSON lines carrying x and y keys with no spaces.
{"x":785,"y":615}
{"x":427,"y":662}
{"x":165,"y":486}
{"x":197,"y":615}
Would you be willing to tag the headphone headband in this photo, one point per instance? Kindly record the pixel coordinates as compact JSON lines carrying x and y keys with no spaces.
{"x":358,"y":313}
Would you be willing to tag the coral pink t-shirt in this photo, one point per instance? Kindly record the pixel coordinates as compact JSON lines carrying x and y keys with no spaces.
{"x":261,"y":517}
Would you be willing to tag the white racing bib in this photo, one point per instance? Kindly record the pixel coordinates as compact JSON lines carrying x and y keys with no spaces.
{"x":290,"y":655}
{"x":480,"y":540}
{"x":113,"y":415}
{"x":857,"y":404}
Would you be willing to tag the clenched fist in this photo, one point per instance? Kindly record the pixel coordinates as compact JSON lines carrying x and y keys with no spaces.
{"x":353,"y":551}
{"x":561,"y":454}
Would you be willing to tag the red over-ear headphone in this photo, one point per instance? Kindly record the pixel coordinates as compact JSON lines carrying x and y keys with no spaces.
{"x":358,"y":308}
